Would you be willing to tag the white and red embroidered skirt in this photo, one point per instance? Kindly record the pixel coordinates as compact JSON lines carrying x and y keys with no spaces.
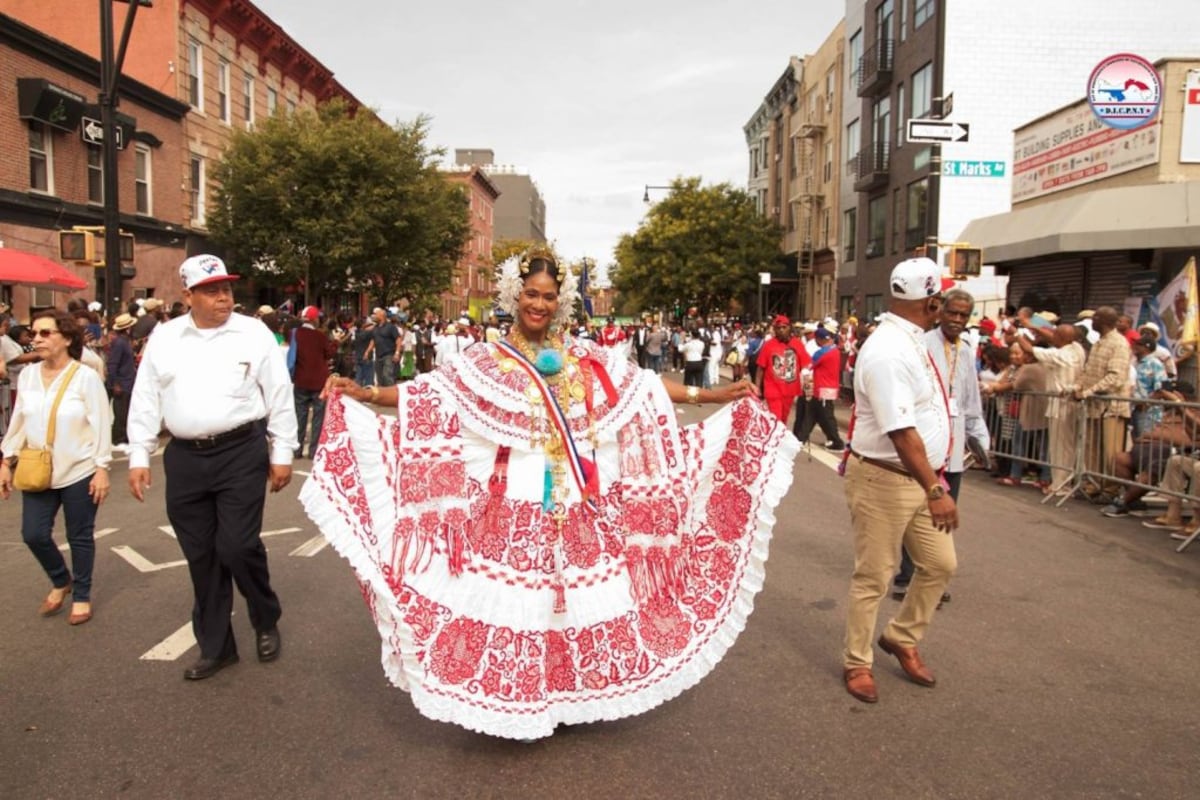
{"x":462,"y":571}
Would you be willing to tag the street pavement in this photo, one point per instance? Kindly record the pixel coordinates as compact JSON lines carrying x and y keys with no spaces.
{"x":1067,"y":667}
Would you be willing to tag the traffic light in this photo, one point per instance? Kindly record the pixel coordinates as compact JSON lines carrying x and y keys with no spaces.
{"x":79,"y":246}
{"x":126,"y":247}
{"x":965,"y":261}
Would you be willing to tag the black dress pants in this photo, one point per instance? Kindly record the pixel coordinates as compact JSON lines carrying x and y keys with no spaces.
{"x":215,"y":503}
{"x":811,"y":412}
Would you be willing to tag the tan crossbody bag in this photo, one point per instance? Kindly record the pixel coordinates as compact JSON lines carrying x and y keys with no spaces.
{"x":35,"y":465}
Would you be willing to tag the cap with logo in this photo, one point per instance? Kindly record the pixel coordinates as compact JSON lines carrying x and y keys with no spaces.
{"x":202,"y":270}
{"x":916,"y":279}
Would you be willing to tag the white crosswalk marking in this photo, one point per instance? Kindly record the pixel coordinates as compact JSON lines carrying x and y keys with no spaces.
{"x":141,"y":563}
{"x":310,"y":548}
{"x":173,"y":646}
{"x":100,"y":534}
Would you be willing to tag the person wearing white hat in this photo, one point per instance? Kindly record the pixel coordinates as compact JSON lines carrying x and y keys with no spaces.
{"x":894,"y":484}
{"x":218,"y":382}
{"x":1160,"y":352}
{"x":120,"y":373}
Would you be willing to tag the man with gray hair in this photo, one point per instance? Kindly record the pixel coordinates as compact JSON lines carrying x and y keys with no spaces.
{"x":955,"y":362}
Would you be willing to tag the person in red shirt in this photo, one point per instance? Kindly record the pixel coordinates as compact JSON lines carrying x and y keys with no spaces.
{"x":780,"y":360}
{"x":826,"y":368}
{"x":611,"y":335}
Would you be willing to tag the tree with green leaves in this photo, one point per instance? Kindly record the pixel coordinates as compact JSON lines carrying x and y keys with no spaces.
{"x":699,"y":246}
{"x":340,"y":202}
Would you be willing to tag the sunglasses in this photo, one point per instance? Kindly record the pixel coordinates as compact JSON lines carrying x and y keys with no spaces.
{"x":44,"y":333}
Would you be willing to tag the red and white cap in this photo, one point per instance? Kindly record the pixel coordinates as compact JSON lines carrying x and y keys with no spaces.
{"x":199,"y":270}
{"x":310,"y":314}
{"x":916,"y":279}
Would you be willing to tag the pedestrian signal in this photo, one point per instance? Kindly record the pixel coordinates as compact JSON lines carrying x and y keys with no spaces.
{"x":966,"y":261}
{"x":79,"y":246}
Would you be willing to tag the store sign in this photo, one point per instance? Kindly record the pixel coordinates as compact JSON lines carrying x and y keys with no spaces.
{"x":1189,"y":145}
{"x":1072,"y":148}
{"x":39,"y":99}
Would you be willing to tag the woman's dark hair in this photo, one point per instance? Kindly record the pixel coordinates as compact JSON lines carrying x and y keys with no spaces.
{"x":540,"y":262}
{"x":67,"y":326}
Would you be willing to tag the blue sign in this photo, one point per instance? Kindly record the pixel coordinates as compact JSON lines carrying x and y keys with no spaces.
{"x":974,"y":169}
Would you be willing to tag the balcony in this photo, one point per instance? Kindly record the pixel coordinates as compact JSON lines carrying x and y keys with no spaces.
{"x":872,"y":167}
{"x":875,"y":68}
{"x":813,"y":126}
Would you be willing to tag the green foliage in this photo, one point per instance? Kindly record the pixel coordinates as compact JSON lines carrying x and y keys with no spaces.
{"x":342,"y":202}
{"x":504,"y":249}
{"x":700,"y":245}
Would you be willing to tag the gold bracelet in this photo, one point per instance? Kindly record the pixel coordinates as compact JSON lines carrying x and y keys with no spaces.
{"x":374,"y":393}
{"x":693,"y":395}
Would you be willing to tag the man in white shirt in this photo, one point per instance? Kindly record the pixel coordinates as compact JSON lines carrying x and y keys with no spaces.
{"x":894,"y":486}
{"x":218,"y":382}
{"x":1063,"y":360}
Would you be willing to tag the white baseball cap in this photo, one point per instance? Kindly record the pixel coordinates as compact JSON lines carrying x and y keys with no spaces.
{"x":916,"y":279}
{"x":200,"y":270}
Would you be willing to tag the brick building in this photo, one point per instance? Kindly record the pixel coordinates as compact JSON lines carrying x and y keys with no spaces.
{"x":51,"y":179}
{"x":520,"y":209}
{"x":473,"y":287}
{"x":227,"y":63}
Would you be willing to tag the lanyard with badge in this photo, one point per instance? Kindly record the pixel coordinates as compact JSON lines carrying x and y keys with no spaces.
{"x":951,"y":350}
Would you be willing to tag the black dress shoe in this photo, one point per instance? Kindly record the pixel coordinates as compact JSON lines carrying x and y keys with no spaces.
{"x":268,"y":644}
{"x":207,"y":667}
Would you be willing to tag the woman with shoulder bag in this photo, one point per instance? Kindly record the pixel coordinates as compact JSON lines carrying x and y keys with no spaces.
{"x":61,"y":436}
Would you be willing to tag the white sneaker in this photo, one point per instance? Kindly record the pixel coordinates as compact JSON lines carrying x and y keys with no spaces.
{"x":120,"y":448}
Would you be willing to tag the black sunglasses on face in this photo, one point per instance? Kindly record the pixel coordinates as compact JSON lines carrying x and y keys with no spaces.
{"x":44,"y":333}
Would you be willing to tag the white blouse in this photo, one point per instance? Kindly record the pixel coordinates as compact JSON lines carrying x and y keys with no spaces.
{"x":83,"y":433}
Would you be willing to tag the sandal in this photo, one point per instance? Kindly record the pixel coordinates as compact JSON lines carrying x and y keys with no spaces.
{"x":80,"y":613}
{"x":55,"y":600}
{"x":1007,"y":481}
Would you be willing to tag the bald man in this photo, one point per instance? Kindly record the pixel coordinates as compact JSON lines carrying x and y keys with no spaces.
{"x":1059,"y":351}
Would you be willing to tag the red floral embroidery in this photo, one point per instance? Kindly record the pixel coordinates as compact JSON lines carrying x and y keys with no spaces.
{"x":580,"y":543}
{"x":729,"y":511}
{"x":663,"y":627}
{"x":560,"y":670}
{"x":458,"y":649}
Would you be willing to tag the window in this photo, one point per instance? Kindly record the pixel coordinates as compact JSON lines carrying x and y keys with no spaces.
{"x":882,"y":119}
{"x":883,"y":21}
{"x":828,"y":161}
{"x":291,"y":107}
{"x":896,"y":220}
{"x":829,"y":88}
{"x":41,"y":298}
{"x":41,"y":159}
{"x":855,"y":56}
{"x":141,"y":179}
{"x":903,"y":20}
{"x":791,"y":216}
{"x":899,"y":115}
{"x":874,"y":305}
{"x":922,"y":12}
{"x":825,"y":222}
{"x":853,"y":145}
{"x":248,"y":100}
{"x":272,"y":101}
{"x":197,"y":189}
{"x":95,"y":169}
{"x":915,"y":230}
{"x":195,"y":72}
{"x":223,"y":90}
{"x":850,"y":231}
{"x":922,"y":91}
{"x":876,"y":225}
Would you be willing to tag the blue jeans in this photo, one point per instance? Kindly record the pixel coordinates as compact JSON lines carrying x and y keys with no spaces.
{"x":38,"y":510}
{"x":364,"y":373}
{"x":385,"y":371}
{"x":1033,"y":441}
{"x":305,"y":400}
{"x":655,"y":363}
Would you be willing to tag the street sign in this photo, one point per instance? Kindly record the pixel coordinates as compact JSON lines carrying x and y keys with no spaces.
{"x":92,"y":132}
{"x":974,"y":169}
{"x":937,"y":131}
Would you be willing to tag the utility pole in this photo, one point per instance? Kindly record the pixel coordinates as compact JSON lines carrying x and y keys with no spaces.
{"x":111,"y":58}
{"x":933,"y":194}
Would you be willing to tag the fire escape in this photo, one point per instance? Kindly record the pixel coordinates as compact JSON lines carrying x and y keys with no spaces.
{"x":810,"y":197}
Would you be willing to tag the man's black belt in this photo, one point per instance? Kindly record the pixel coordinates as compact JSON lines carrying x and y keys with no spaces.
{"x":242,"y":431}
{"x":890,"y":467}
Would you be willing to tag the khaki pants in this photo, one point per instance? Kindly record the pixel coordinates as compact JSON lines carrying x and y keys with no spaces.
{"x":1105,"y":438}
{"x":1181,"y":471}
{"x":1062,"y":445}
{"x":887,"y":509}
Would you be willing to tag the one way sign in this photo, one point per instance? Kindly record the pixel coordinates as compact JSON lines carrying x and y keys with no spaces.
{"x":937,"y":131}
{"x":92,"y":132}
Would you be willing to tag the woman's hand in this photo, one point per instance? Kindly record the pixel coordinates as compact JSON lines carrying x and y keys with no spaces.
{"x":99,"y":486}
{"x":6,"y":477}
{"x":736,"y":391}
{"x":346,"y":386}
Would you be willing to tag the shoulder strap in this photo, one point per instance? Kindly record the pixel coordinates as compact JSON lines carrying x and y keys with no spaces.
{"x":62,"y":389}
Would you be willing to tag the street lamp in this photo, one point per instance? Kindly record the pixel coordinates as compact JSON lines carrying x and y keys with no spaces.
{"x":646,"y":194}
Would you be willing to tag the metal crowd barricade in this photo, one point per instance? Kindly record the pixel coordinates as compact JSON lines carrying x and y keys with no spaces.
{"x":1075,"y":450}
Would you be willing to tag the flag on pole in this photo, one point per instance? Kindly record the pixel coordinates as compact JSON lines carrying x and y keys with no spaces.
{"x":583,"y":289}
{"x":1176,"y":311}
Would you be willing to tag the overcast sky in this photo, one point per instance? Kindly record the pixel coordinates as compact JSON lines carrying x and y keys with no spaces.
{"x":594,"y":98}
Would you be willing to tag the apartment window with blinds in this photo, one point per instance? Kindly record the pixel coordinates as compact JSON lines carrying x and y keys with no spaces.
{"x":196,"y":186}
{"x":41,"y":159}
{"x":95,"y":169}
{"x":922,"y":91}
{"x":272,"y":101}
{"x":853,"y":145}
{"x":876,"y":225}
{"x":248,"y":100}
{"x":900,"y":118}
{"x":223,"y":103}
{"x":856,"y":50}
{"x":922,"y":12}
{"x":195,"y":75}
{"x":850,"y":231}
{"x":141,"y":180}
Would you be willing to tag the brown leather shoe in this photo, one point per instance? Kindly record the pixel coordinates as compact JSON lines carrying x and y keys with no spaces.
{"x":910,"y":662}
{"x":860,"y":683}
{"x":55,"y":600}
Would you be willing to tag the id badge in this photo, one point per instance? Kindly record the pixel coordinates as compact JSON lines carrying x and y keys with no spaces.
{"x":953,"y":406}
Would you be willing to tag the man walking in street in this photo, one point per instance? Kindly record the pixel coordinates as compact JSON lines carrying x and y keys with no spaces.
{"x":955,"y":361}
{"x":818,"y":409}
{"x":894,"y":487}
{"x":384,"y":340}
{"x":780,"y":360}
{"x":313,"y":351}
{"x":217,"y":381}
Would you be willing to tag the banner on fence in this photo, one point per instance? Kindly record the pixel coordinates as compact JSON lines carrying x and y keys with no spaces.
{"x":1176,"y":310}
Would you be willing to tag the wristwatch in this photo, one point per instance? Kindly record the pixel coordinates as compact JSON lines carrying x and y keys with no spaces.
{"x":936,"y":492}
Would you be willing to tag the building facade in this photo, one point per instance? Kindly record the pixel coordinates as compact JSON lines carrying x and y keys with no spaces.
{"x":226,"y":62}
{"x":51,"y":175}
{"x":520,"y":209}
{"x":473,"y":288}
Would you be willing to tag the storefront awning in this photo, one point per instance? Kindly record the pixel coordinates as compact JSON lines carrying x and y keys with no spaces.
{"x":1157,"y":216}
